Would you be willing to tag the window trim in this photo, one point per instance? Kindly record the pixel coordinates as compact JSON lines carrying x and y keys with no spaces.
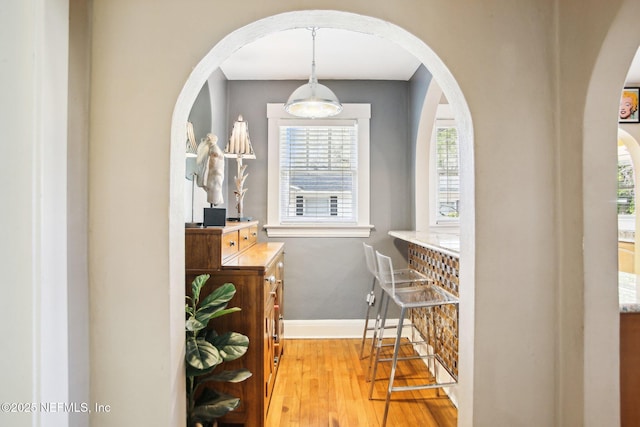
{"x":361,"y":114}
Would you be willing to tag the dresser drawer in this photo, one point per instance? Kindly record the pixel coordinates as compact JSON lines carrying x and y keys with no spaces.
{"x":248,"y":237}
{"x":230,"y":244}
{"x":210,"y":248}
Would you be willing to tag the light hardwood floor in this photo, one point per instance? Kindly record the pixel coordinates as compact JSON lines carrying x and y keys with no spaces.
{"x":321,"y":383}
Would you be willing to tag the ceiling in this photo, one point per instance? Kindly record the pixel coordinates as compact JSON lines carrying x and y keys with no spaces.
{"x":340,"y":54}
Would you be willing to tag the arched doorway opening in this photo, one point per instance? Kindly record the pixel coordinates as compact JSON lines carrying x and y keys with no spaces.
{"x":628,"y":181}
{"x":415,"y":46}
{"x":628,"y":269}
{"x":601,"y":304}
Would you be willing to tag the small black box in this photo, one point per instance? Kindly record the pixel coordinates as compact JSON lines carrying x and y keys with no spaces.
{"x":214,"y":217}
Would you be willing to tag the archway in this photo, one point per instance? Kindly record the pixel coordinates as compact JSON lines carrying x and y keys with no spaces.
{"x":601,"y":307}
{"x":415,"y":46}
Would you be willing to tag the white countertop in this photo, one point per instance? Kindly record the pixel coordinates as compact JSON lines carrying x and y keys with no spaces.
{"x":628,"y":284}
{"x":444,"y":242}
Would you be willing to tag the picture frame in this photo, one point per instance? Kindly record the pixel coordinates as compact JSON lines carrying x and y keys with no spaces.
{"x":628,"y":110}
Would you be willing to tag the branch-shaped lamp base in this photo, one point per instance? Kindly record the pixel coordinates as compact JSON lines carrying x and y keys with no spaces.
{"x":240,"y":191}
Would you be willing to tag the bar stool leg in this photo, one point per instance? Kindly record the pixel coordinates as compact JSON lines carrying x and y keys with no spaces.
{"x":371,"y":297}
{"x":378,"y":348}
{"x":394,"y":363}
{"x":378,"y":326}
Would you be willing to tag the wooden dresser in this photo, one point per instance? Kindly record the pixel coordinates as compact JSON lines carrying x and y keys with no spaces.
{"x":232,"y":254}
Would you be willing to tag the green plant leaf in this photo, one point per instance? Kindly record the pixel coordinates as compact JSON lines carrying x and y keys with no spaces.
{"x":213,"y":405}
{"x":223,"y":312}
{"x":234,"y":376}
{"x":188,"y":309}
{"x":219,"y":297}
{"x":197,"y":285}
{"x":231,"y":345}
{"x":205,"y":316}
{"x":215,"y":303}
{"x":201,"y":354}
{"x":196,"y":374}
{"x":194,"y":325}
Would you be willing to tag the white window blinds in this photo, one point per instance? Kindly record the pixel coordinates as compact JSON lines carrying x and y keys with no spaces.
{"x":318,"y":173}
{"x":447,"y":158}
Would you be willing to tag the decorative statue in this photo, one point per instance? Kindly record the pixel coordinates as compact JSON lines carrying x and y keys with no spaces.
{"x":210,"y":169}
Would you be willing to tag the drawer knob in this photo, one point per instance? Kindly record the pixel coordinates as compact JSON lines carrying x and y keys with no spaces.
{"x":245,"y":237}
{"x":280,"y":264}
{"x":232,"y":243}
{"x":254,"y":234}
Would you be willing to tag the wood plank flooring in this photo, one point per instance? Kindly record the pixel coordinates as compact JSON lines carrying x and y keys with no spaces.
{"x":321,"y":383}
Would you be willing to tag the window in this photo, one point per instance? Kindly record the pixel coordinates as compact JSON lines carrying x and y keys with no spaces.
{"x":626,"y":197}
{"x":626,"y":191}
{"x":445,"y":177}
{"x":319,"y":174}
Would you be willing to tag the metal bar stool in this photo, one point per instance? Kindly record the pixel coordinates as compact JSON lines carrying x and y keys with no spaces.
{"x":402,"y":277}
{"x":406,"y":298}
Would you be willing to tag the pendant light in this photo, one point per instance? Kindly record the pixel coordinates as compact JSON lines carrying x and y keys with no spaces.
{"x":313,"y":100}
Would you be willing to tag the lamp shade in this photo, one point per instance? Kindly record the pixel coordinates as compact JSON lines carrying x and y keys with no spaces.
{"x":239,"y":145}
{"x":313,"y":100}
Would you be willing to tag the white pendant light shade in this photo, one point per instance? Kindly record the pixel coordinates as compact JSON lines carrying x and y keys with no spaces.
{"x":313,"y":100}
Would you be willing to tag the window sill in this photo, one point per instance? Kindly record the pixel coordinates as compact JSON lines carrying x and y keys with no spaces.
{"x":315,"y":230}
{"x":452,"y":225}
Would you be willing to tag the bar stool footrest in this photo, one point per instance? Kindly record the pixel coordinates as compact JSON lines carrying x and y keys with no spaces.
{"x":423,"y":386}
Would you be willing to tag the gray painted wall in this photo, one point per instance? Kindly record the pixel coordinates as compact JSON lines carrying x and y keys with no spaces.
{"x":217,"y":83}
{"x":208,"y":115}
{"x":200,"y":114}
{"x":326,"y":278}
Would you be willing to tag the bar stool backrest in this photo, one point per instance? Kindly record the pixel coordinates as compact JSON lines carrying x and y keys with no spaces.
{"x":370,"y":257}
{"x":385,"y":272}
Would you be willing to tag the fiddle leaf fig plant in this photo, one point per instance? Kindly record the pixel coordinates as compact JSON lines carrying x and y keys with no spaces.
{"x":206,"y":350}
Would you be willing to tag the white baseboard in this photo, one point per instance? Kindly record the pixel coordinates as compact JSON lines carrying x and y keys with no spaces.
{"x":333,"y":328}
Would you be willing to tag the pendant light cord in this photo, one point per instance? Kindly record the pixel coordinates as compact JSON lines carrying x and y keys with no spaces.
{"x":313,"y":78}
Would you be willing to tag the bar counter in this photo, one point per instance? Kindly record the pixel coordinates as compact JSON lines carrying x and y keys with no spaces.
{"x":436,"y":255}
